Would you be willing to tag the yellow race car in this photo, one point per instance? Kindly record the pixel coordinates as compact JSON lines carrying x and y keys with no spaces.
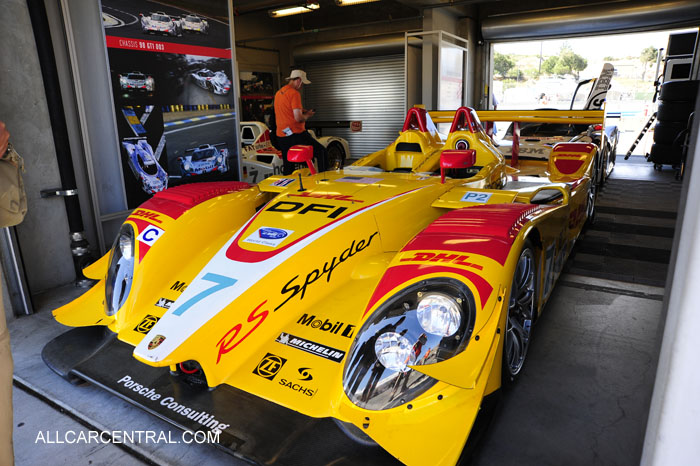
{"x":393,"y":296}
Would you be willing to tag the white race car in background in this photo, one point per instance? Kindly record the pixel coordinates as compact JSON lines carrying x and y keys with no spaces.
{"x":136,"y":81}
{"x":537,"y":139}
{"x":260,"y":159}
{"x":206,"y":158}
{"x":144,"y":165}
{"x":160,"y":23}
{"x":217,"y":82}
{"x":193,"y":23}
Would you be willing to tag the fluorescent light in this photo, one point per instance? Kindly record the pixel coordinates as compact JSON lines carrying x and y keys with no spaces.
{"x":352,"y":2}
{"x":293,"y":10}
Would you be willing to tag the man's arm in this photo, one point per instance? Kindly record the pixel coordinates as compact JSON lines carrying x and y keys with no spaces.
{"x":301,"y":115}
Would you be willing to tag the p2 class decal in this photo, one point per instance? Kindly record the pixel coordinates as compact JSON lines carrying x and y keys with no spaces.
{"x":268,"y":236}
{"x":150,"y":235}
{"x":311,"y":347}
{"x":473,"y":196}
{"x":269,"y":366}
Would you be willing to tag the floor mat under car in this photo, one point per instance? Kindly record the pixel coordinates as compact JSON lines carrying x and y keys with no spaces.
{"x":257,"y":430}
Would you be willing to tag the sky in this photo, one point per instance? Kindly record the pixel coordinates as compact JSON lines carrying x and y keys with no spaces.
{"x":617,"y":45}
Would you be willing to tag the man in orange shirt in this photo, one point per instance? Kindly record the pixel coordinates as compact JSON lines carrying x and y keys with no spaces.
{"x":291,"y":117}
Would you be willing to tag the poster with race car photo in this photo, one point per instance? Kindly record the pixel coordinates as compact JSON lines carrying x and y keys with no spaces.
{"x":171,"y":73}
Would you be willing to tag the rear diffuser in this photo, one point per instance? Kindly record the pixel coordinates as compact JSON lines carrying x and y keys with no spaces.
{"x":254,"y":429}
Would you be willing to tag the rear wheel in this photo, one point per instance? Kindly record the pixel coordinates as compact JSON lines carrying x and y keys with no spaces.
{"x":336,"y":156}
{"x":521,"y":313}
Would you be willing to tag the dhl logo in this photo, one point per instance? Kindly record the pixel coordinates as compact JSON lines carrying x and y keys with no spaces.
{"x":152,"y":216}
{"x":456,"y":259}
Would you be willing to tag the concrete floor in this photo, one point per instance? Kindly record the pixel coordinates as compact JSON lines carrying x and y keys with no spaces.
{"x":583,"y":398}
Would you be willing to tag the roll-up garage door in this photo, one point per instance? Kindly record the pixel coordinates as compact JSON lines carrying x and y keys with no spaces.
{"x":367,"y":89}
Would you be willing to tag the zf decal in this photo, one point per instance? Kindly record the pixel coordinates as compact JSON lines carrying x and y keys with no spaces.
{"x":146,"y":324}
{"x":457,"y":259}
{"x":164,"y":303}
{"x":326,"y":352}
{"x":287,"y":206}
{"x":230,"y":339}
{"x":269,"y":366}
{"x":326,"y":270}
{"x":327,"y":325}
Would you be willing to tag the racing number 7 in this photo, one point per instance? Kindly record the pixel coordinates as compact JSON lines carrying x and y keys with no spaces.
{"x":221,"y":283}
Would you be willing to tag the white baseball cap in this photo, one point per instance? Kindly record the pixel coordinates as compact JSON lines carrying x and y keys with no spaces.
{"x":298,"y":74}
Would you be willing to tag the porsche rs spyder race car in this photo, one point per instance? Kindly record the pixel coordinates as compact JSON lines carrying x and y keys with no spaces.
{"x":144,"y":165}
{"x":393,"y":296}
{"x":206,"y":158}
{"x":217,"y":82}
{"x":136,"y":82}
{"x":160,"y":23}
{"x":260,"y":159}
{"x":193,"y":23}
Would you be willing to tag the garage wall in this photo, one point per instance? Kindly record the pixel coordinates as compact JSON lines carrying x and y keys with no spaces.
{"x":43,"y":236}
{"x":367,"y":89}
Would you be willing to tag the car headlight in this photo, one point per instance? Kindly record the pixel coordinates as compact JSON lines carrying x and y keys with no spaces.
{"x":149,"y":83}
{"x":426,"y":323}
{"x":121,"y":270}
{"x":218,"y":159}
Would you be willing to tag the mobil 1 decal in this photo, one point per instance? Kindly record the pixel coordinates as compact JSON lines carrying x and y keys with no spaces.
{"x":335,"y":327}
{"x":297,"y":286}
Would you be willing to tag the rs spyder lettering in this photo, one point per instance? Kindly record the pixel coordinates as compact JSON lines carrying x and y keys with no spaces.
{"x":326,"y":270}
{"x":229,"y":341}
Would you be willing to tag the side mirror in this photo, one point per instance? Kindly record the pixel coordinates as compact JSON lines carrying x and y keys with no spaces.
{"x":301,"y":154}
{"x":456,"y":159}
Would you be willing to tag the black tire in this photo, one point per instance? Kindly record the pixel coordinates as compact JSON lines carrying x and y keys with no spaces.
{"x":522,"y":309}
{"x":679,"y":91}
{"x":336,"y":156}
{"x":665,"y":154}
{"x":665,"y":132}
{"x":675,"y":111}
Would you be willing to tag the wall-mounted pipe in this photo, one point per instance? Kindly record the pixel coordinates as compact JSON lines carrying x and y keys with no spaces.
{"x":592,"y":19}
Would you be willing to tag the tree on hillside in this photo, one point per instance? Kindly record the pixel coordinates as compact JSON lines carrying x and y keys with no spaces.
{"x":567,"y":62}
{"x":502,"y":64}
{"x":649,"y":55}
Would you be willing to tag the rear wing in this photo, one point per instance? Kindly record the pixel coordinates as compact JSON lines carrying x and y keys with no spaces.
{"x":517,"y":117}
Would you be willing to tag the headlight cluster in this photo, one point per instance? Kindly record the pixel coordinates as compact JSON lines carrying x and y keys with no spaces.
{"x":121,"y":270}
{"x":150,"y":84}
{"x":425,"y":323}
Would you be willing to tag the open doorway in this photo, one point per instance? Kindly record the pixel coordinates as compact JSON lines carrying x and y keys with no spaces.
{"x":544,"y":74}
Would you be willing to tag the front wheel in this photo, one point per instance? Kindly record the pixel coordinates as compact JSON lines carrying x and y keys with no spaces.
{"x":521,"y":314}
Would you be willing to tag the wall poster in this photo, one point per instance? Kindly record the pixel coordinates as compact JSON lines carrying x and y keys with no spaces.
{"x":171,"y":73}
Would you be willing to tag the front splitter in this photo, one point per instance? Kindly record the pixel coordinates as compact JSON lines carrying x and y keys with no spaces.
{"x":250,"y":427}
